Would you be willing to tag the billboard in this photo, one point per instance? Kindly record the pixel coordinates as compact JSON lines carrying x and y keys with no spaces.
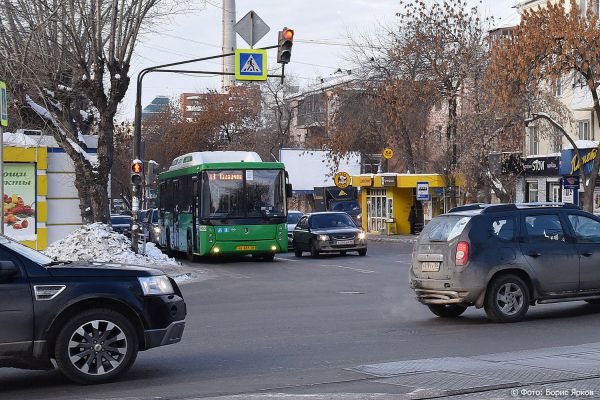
{"x":19,"y":203}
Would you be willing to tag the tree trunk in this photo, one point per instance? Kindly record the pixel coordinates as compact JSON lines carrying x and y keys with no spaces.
{"x":451,"y":136}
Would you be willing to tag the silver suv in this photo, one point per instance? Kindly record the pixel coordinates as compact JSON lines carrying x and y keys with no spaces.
{"x":506,"y":258}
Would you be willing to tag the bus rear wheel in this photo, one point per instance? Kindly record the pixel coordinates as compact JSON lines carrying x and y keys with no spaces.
{"x":170,"y":252}
{"x":190,"y":250}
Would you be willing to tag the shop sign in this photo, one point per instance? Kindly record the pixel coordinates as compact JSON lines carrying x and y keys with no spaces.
{"x":362,"y":181}
{"x":388,"y":181}
{"x":570,"y":182}
{"x":342,"y":180}
{"x":541,"y":166}
{"x":19,"y":203}
{"x":570,"y":164}
{"x":423,"y":191}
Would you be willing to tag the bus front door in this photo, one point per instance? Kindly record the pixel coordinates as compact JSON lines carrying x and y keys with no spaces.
{"x":195,"y":212}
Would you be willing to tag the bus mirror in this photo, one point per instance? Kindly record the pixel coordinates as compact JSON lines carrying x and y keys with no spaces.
{"x":288,"y":190}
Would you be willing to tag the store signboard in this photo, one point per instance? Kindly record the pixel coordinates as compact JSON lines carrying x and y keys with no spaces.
{"x":388,"y":181}
{"x":19,"y":201}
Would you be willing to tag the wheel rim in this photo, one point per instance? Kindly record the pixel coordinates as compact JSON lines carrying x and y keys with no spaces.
{"x":510,"y":299}
{"x":97,"y":347}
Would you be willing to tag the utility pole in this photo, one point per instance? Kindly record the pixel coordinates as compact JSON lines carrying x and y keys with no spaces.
{"x":229,"y":44}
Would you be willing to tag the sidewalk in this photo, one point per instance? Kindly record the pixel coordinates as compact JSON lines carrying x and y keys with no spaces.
{"x":392,"y":238}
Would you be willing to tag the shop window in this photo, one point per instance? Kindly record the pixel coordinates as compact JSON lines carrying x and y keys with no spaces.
{"x":553,"y":193}
{"x":532,"y":192}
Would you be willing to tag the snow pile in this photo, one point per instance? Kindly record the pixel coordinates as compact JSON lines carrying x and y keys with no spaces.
{"x":98,"y":242}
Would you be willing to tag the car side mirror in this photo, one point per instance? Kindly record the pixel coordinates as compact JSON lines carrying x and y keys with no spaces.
{"x":288,"y":190}
{"x":8,"y":271}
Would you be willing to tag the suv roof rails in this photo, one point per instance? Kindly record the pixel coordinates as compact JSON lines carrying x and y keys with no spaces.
{"x":569,"y":206}
{"x":491,"y":208}
{"x":467,"y":207}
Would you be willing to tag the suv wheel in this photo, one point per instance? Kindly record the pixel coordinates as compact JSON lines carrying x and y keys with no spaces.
{"x":447,"y":310}
{"x":96,"y":346}
{"x":507,"y":299}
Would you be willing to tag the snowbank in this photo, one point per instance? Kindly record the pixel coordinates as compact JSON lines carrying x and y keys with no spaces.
{"x":98,"y":242}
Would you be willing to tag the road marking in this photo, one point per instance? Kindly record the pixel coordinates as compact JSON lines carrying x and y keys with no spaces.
{"x":362,"y":271}
{"x":350,"y":292}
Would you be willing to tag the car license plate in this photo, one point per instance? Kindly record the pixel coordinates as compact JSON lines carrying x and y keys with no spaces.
{"x":245,"y":248}
{"x":344,"y":242}
{"x":430,"y":266}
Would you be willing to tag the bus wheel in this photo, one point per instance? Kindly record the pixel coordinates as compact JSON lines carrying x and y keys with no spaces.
{"x":170,"y":252}
{"x":269,"y":257}
{"x":190,"y":250}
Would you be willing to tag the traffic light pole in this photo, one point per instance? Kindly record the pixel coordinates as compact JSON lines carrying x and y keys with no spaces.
{"x":136,"y":192}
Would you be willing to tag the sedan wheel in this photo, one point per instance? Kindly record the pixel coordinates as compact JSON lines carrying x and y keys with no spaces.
{"x":507,"y":299}
{"x":314,"y":252}
{"x":96,"y":346}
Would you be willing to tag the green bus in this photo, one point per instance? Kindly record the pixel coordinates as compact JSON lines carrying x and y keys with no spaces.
{"x":223,"y":203}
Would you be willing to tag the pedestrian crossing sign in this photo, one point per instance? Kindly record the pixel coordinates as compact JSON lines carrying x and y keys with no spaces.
{"x":250,"y":65}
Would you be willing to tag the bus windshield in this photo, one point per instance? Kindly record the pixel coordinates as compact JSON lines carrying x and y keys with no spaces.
{"x":243,"y":194}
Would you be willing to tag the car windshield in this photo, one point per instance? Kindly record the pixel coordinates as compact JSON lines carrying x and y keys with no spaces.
{"x":293,"y":218}
{"x":345,"y":206}
{"x":444,"y":228}
{"x":125,"y":220}
{"x":155,"y":217}
{"x":25,"y":251}
{"x":337,"y":220}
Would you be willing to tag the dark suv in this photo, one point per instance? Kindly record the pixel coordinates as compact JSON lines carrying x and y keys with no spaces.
{"x":88,"y":319}
{"x":506,"y":258}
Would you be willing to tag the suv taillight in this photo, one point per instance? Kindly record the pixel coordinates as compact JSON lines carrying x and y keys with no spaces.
{"x":462,"y":253}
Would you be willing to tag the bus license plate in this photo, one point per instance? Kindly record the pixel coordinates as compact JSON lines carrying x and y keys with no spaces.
{"x":245,"y":248}
{"x":430,"y":266}
{"x":344,"y":242}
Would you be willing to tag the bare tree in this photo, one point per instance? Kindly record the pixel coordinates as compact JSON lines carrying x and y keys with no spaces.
{"x":67,"y":63}
{"x":551,"y":43}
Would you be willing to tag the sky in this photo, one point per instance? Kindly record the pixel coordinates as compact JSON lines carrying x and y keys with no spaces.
{"x":196,"y":33}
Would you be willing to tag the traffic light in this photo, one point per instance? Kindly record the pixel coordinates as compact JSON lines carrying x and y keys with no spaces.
{"x":286,"y":41}
{"x":137,"y":170}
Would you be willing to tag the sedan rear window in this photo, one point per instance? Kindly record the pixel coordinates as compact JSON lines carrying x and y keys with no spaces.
{"x":444,"y":228}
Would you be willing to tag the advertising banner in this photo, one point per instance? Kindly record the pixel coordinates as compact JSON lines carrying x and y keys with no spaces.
{"x":20,"y":201}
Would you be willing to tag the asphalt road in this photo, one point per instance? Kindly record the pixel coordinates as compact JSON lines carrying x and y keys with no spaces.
{"x":298,"y":325}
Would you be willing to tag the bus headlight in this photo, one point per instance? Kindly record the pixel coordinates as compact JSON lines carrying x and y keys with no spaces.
{"x":273,"y":248}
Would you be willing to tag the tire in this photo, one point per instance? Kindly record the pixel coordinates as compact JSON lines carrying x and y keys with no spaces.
{"x":447,"y":311}
{"x":362,"y":252}
{"x":593,"y":301}
{"x":297,"y":252}
{"x":190,"y":250}
{"x":314,"y":253}
{"x":342,"y":253}
{"x":269,"y":257}
{"x":170,"y":251}
{"x":122,"y":336}
{"x":500,"y":309}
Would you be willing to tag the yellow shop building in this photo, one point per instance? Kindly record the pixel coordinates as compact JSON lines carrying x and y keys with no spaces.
{"x":386,"y":200}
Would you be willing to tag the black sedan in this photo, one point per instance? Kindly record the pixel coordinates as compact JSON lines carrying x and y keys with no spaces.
{"x":328,"y":232}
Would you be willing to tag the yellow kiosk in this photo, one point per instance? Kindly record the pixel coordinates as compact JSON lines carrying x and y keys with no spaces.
{"x":386,"y":199}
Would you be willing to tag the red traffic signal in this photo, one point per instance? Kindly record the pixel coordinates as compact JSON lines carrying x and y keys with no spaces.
{"x":288,"y":34}
{"x":286,"y":41}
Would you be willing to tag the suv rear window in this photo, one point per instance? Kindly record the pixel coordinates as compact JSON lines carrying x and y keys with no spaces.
{"x":444,"y":228}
